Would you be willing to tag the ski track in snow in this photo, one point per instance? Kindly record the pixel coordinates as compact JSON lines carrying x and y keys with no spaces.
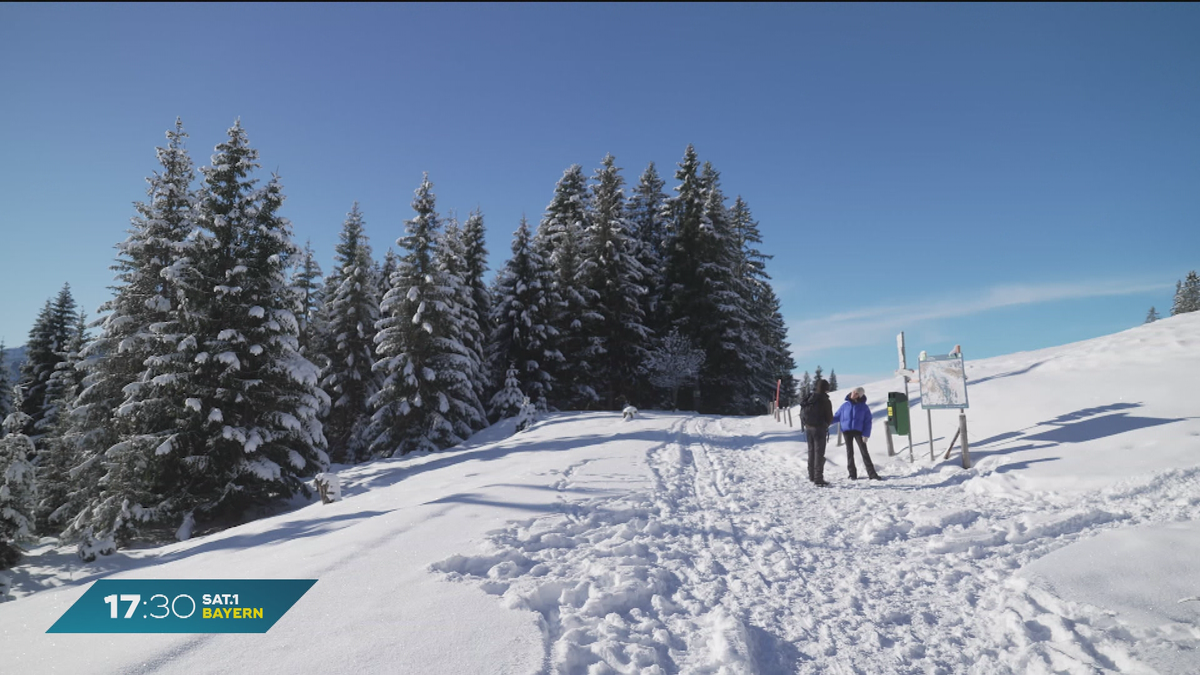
{"x":734,"y":563}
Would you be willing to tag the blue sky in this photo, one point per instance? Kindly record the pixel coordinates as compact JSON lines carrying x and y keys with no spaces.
{"x":1005,"y":177}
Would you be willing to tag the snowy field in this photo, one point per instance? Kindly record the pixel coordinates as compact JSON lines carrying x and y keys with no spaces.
{"x":678,"y":543}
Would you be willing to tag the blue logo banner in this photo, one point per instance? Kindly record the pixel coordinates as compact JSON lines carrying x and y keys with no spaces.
{"x":182,"y":606}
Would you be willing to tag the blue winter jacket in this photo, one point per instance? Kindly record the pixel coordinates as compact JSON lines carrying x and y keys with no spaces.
{"x":855,"y":416}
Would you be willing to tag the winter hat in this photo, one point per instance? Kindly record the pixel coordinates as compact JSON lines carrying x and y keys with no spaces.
{"x":859,"y":393}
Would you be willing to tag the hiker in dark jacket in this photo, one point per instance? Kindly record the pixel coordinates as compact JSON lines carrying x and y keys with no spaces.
{"x":816,"y":412}
{"x":855,"y":419}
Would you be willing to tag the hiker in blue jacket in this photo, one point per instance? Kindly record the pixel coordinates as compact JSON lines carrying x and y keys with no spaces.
{"x":855,"y":419}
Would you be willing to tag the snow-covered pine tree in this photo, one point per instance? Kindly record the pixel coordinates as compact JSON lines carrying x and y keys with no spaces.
{"x":611,"y":270}
{"x":464,"y":328}
{"x":833,"y":385}
{"x":707,"y":303}
{"x":508,"y":401}
{"x":351,"y":311}
{"x":475,"y":268}
{"x":252,"y":433}
{"x":559,"y":240}
{"x":644,"y":211}
{"x":18,"y":488}
{"x":383,"y":279}
{"x":422,"y":367}
{"x":309,"y":299}
{"x":1191,"y":293}
{"x":43,"y":352}
{"x":817,"y":373}
{"x":138,"y":369}
{"x":806,"y":385}
{"x":5,"y":386}
{"x":59,"y":451}
{"x":770,"y":358}
{"x":521,"y":334}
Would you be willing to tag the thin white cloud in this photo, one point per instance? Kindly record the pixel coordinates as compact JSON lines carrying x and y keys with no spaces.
{"x":877,"y":325}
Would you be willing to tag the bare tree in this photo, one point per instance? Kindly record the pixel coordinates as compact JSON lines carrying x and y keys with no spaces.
{"x":674,"y":363}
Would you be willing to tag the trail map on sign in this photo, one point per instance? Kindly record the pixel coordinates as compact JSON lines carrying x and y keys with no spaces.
{"x":943,"y":382}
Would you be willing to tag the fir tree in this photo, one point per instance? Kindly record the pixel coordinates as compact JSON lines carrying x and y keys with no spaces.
{"x":817,"y":374}
{"x":475,"y":268}
{"x":645,"y":213}
{"x":44,"y":351}
{"x":309,"y":298}
{"x":136,"y":370}
{"x":612,"y":272}
{"x":559,"y":240}
{"x":806,"y":385}
{"x":18,"y":489}
{"x":508,"y":401}
{"x":59,"y":452}
{"x":350,"y":314}
{"x":464,"y":330}
{"x":5,"y":385}
{"x":521,"y":334}
{"x":1188,"y":294}
{"x":833,"y":385}
{"x":249,"y":432}
{"x":1152,"y":315}
{"x":423,"y":368}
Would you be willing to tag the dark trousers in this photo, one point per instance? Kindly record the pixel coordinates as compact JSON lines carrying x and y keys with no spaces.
{"x":851,"y":437}
{"x":816,"y":453}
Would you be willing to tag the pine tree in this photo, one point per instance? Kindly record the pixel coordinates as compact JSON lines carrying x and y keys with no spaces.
{"x":59,"y":452}
{"x":250,"y":434}
{"x":645,"y":213}
{"x":18,"y":489}
{"x":521,"y":334}
{"x":806,"y":385}
{"x":833,"y":385}
{"x":421,"y":395}
{"x":309,"y":298}
{"x":817,"y":374}
{"x":5,"y":385}
{"x":1190,"y":293}
{"x":44,"y":351}
{"x":1152,"y":315}
{"x":137,"y":369}
{"x":611,"y":271}
{"x":350,"y":315}
{"x":464,"y":329}
{"x":1178,"y":305}
{"x":559,"y":240}
{"x":475,"y":268}
{"x":508,"y":401}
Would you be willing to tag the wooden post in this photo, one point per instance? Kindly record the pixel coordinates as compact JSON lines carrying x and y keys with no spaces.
{"x":929,"y":421}
{"x":962,"y":429}
{"x":891,"y":448}
{"x":952,"y":442}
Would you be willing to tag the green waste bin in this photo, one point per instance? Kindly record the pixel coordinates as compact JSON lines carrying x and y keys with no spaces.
{"x":897,"y":412}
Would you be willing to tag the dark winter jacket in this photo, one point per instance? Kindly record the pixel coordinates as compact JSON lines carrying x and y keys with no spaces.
{"x":855,"y":416}
{"x":816,"y":410}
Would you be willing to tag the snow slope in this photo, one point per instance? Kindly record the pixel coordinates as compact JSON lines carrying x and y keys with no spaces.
{"x":692,"y":544}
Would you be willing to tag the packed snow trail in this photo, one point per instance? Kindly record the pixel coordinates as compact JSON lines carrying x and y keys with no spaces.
{"x":735,"y":563}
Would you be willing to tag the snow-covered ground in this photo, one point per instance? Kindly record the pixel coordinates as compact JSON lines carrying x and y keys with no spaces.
{"x":691,"y":544}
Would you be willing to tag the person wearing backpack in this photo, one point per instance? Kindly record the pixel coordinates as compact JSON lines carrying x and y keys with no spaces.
{"x":816,"y":413}
{"x":855,"y":419}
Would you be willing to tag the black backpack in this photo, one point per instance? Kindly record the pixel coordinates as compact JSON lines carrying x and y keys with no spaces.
{"x":810,"y":410}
